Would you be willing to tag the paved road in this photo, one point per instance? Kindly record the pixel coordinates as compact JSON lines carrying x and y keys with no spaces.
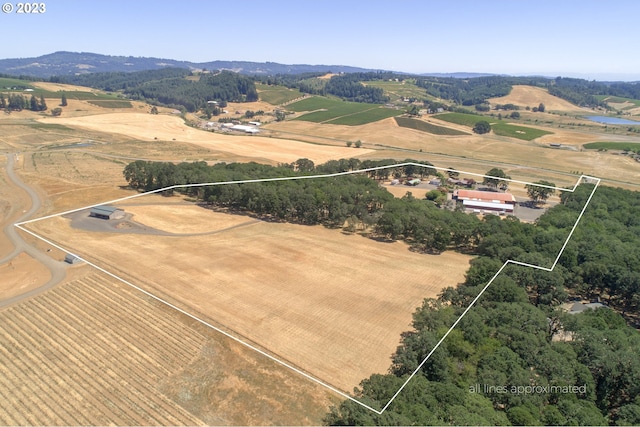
{"x":57,"y":268}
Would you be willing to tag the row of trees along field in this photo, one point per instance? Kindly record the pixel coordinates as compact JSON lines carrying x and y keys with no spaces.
{"x":510,"y":337}
{"x":18,"y":102}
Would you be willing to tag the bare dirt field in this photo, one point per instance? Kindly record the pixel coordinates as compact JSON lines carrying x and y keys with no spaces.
{"x":20,"y":275}
{"x":96,"y":352}
{"x":148,"y":127}
{"x":311,"y":295}
{"x":529,"y":96}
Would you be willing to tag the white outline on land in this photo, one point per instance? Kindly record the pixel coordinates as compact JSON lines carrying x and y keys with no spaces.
{"x":275,"y":359}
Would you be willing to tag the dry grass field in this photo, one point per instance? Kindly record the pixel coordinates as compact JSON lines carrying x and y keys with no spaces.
{"x":529,"y":96}
{"x":311,"y":295}
{"x":93,"y":351}
{"x":535,"y":156}
{"x":20,"y":275}
{"x":96,"y":352}
{"x":149,"y":127}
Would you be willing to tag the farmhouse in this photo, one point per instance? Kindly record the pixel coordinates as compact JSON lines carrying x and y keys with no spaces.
{"x":106,"y":212}
{"x":485,"y":201}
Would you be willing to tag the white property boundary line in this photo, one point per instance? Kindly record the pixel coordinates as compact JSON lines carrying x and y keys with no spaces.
{"x":281,"y":362}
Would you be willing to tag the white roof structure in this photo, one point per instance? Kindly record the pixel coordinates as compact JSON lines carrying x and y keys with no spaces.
{"x":487,"y":205}
{"x":245,"y":128}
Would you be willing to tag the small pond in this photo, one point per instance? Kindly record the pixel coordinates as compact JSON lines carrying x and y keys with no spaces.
{"x":611,"y":120}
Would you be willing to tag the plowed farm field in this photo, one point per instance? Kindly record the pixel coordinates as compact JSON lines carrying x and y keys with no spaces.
{"x":94,"y":351}
{"x":90,"y":353}
{"x":332,"y":304}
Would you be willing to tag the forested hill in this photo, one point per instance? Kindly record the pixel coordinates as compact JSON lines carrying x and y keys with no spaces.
{"x":73,"y":63}
{"x":174,"y":87}
{"x":476,"y":91}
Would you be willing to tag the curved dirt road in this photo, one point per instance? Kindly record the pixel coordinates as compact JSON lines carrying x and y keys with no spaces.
{"x":56,"y":268}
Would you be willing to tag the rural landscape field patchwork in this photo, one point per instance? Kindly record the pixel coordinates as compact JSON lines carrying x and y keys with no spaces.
{"x":200,"y":247}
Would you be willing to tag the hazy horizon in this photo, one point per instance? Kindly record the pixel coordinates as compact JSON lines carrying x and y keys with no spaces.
{"x":586,"y":39}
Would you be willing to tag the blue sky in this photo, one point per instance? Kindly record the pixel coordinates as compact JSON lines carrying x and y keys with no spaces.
{"x":583,"y":38}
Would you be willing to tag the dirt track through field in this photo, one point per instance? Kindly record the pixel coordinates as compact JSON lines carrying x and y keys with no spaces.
{"x":334,"y":305}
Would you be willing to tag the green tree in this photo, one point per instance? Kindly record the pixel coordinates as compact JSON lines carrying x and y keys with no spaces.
{"x":495,"y":178}
{"x":63,"y":100}
{"x":482,"y":127}
{"x":541,"y":108}
{"x":413,"y":110}
{"x":34,"y":106}
{"x":280,"y":115}
{"x":358,"y":144}
{"x":539,"y":194}
{"x":154,"y":110}
{"x":305,"y":165}
{"x":56,"y":111}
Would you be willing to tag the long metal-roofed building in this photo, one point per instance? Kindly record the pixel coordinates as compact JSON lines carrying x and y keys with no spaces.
{"x":485,"y":201}
{"x":106,"y":212}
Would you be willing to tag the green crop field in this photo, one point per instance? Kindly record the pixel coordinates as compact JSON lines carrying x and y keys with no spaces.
{"x":314,"y":103}
{"x":624,"y":146}
{"x":7,"y":84}
{"x":498,"y":127}
{"x":276,"y":95}
{"x":427,"y":127}
{"x":398,"y":90}
{"x":364,"y":117}
{"x":461,"y":118}
{"x":337,"y":112}
{"x":516,"y":131}
{"x":108,"y":103}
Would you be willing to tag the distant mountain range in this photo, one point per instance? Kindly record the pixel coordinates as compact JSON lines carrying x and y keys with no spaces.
{"x":72,"y":63}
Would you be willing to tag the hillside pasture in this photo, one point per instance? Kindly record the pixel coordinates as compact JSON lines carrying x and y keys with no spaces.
{"x":276,"y":95}
{"x":7,"y":85}
{"x":332,"y":304}
{"x":313,"y":103}
{"x":531,"y":96}
{"x":396,"y":91}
